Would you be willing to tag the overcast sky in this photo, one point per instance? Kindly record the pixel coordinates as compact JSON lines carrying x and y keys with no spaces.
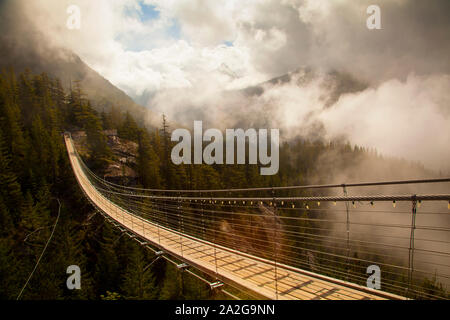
{"x":206,"y":46}
{"x":151,"y":44}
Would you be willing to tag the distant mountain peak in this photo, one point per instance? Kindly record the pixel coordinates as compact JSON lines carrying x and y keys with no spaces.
{"x":336,"y":82}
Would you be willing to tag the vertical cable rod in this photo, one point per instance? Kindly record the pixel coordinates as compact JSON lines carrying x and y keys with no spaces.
{"x":411,"y":245}
{"x":347,"y":231}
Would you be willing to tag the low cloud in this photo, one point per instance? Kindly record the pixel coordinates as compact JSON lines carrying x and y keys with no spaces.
{"x":406,"y":119}
{"x":196,"y":72}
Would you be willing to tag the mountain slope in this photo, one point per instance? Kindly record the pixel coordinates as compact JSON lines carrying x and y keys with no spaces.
{"x":22,"y":47}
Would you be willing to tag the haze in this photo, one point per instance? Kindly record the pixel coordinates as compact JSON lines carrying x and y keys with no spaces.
{"x":189,"y":59}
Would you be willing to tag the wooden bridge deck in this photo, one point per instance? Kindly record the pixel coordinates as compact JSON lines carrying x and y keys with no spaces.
{"x":244,"y":271}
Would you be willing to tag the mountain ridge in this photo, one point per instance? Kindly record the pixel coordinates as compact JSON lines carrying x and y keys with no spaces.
{"x":24,"y":47}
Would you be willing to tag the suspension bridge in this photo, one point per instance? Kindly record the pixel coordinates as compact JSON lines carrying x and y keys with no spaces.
{"x":289,"y":242}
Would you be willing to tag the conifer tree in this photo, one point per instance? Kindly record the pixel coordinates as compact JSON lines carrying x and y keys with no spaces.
{"x":167,"y":167}
{"x":171,"y":288}
{"x":139,"y":281}
{"x":107,"y":270}
{"x":148,"y":162}
{"x":129,"y":129}
{"x":10,"y":189}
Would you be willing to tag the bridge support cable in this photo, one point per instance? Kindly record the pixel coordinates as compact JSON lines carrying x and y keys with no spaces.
{"x":275,"y":243}
{"x":411,"y":247}
{"x":347,"y":225}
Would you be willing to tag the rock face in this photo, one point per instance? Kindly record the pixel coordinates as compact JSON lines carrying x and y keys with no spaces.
{"x":121,"y":168}
{"x":251,"y":232}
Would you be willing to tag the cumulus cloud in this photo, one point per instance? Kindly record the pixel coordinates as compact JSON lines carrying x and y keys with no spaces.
{"x":402,"y":118}
{"x":191,"y":58}
{"x":407,"y":119}
{"x":277,"y":36}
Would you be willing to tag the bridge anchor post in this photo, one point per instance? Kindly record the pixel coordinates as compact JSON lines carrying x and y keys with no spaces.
{"x":182,"y":266}
{"x":216,"y":285}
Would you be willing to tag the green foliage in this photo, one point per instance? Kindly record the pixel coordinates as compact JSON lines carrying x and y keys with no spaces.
{"x":10,"y":191}
{"x":129,"y":129}
{"x":148,"y":162}
{"x":432,"y":288}
{"x":34,"y":170}
{"x":172,"y":286}
{"x":107,"y":266}
{"x":110,"y":296}
{"x":139,"y":281}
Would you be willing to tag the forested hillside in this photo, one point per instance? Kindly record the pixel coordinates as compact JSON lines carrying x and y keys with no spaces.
{"x":36,"y":177}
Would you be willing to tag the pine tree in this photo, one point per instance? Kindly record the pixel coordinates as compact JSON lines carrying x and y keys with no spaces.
{"x":26,"y":97}
{"x":6,"y":222}
{"x":100,"y":152}
{"x":167,"y":167}
{"x":148,"y":162}
{"x":129,"y":129}
{"x":106,"y":120}
{"x":69,"y":250}
{"x":139,"y":281}
{"x":107,"y":270}
{"x":171,"y":289}
{"x":10,"y":190}
{"x":11,"y":122}
{"x":8,"y":270}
